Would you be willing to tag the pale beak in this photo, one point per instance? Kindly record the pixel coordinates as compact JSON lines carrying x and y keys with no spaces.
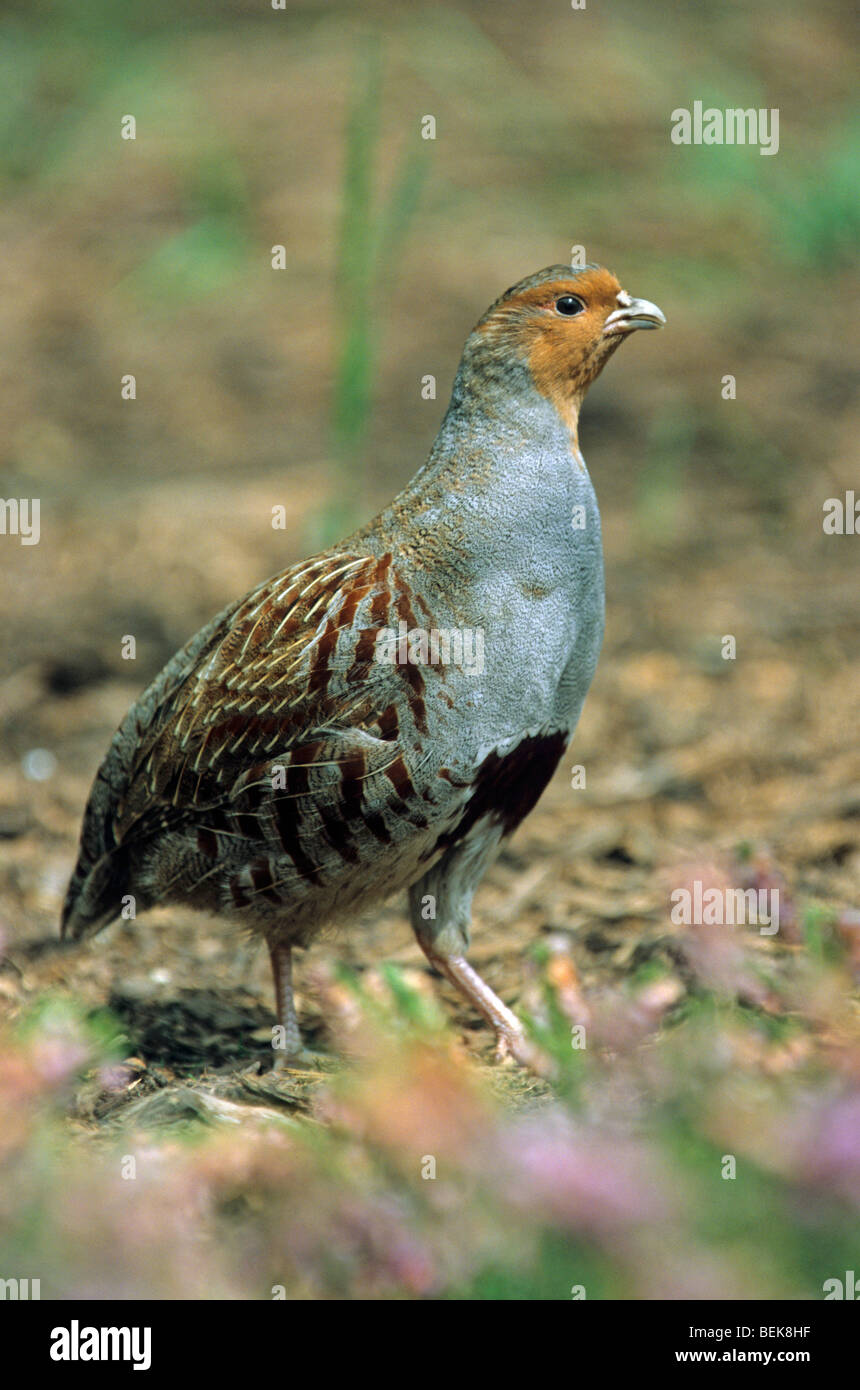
{"x":639,"y":313}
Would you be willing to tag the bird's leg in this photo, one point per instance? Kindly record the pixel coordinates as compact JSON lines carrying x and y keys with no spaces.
{"x":510,"y":1034}
{"x":458,"y":970}
{"x":440,"y":908}
{"x":282,"y":969}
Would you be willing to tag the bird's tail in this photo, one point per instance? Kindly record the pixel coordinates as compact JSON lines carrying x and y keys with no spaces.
{"x":94,"y":897}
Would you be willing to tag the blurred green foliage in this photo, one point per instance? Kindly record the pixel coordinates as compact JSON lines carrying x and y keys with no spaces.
{"x":373,"y":231}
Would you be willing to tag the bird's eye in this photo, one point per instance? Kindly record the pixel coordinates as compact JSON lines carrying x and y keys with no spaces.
{"x":569,"y":305}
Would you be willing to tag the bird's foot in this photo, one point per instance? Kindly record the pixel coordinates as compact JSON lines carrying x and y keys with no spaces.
{"x":300,"y":1059}
{"x":514,"y":1048}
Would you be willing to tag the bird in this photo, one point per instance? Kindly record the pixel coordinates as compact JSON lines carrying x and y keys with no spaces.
{"x":381,"y":716}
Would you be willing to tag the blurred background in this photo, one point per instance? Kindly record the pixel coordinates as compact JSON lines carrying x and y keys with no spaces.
{"x":301,"y":388}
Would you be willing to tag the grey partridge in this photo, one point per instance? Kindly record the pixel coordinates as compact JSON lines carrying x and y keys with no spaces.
{"x":381,"y":716}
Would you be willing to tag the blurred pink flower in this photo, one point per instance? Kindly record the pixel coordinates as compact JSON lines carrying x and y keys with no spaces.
{"x":588,"y":1183}
{"x":830,"y":1152}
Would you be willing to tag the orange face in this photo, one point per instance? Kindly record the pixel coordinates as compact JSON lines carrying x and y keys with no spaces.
{"x":566,"y":328}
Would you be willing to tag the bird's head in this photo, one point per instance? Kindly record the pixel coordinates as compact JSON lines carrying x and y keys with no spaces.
{"x":561,"y":326}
